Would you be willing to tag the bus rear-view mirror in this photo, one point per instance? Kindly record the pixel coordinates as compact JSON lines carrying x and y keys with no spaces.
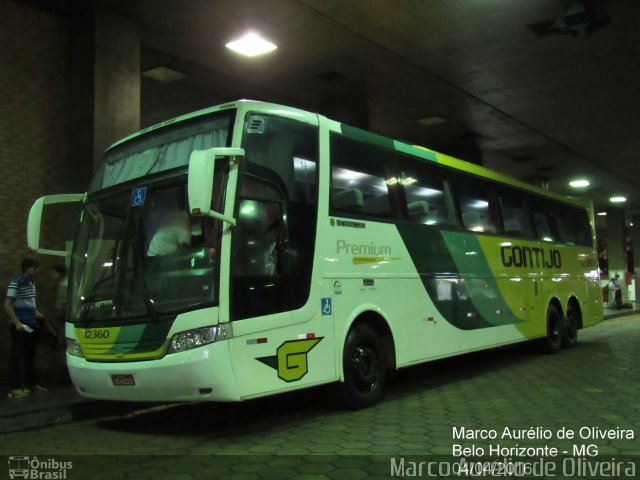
{"x":34,"y":223}
{"x":200,"y":182}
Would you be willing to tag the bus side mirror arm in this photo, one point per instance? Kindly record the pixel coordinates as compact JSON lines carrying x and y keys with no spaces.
{"x":230,"y":220}
{"x":200,"y":182}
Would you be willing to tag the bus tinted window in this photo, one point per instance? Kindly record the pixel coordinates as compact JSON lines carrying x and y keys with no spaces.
{"x":427,"y":195}
{"x":274,"y":238}
{"x":560,"y":222}
{"x":363,"y":178}
{"x":543,"y":219}
{"x":475,"y":199}
{"x":573,"y":225}
{"x":287,"y":148}
{"x":515,"y":219}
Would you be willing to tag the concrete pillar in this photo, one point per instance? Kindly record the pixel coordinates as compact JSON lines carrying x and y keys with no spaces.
{"x":635,"y":239}
{"x":104,"y":87}
{"x":354,"y":111}
{"x":466,"y":150}
{"x":616,"y":248}
{"x":117,"y":80}
{"x":615,"y":243}
{"x":81,"y":93}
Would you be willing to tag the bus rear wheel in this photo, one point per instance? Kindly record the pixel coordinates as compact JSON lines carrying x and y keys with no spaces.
{"x":570,"y":330}
{"x":364,"y":368}
{"x":553,"y":341}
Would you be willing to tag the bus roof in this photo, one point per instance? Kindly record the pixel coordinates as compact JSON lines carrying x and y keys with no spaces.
{"x":397,"y":145}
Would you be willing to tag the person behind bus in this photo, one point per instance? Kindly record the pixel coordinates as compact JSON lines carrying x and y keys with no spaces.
{"x":61,"y":281}
{"x":171,"y":236}
{"x":617,"y":291}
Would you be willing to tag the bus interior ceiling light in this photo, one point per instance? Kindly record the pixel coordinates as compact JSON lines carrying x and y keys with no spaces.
{"x":618,"y":199}
{"x":251,"y":45}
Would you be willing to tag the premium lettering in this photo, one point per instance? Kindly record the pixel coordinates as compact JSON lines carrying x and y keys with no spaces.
{"x":362,"y":249}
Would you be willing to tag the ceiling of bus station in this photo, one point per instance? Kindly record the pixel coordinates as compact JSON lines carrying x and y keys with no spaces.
{"x":547,"y":90}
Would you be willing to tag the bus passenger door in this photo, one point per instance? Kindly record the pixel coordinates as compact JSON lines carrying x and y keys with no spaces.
{"x":278,"y":331}
{"x":275,"y":345}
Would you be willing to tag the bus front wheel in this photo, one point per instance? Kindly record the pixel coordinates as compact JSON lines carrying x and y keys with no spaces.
{"x":364,"y":368}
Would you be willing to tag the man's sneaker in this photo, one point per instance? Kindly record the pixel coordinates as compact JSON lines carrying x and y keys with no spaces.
{"x":37,"y":389}
{"x":18,"y":393}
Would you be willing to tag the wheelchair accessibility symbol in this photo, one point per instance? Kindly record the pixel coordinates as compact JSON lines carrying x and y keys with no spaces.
{"x":325,"y":306}
{"x":138,"y":196}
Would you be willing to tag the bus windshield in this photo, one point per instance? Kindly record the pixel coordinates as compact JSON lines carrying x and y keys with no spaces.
{"x":138,"y":252}
{"x":143,"y":261}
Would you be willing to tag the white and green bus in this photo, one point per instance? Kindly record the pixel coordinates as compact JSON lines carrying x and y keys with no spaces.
{"x":250,"y":249}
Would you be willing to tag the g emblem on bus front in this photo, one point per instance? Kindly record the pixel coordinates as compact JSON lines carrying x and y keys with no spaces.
{"x":291,"y":358}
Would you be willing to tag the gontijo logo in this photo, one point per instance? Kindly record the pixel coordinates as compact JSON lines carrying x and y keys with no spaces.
{"x":530,"y":257}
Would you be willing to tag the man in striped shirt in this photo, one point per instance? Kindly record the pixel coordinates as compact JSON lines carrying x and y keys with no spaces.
{"x":24,"y":324}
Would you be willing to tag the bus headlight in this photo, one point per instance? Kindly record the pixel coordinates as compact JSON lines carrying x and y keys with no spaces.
{"x":198,"y":337}
{"x":74,"y":348}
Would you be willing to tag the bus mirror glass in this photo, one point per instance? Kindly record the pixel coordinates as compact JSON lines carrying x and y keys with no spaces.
{"x":37,"y":218}
{"x":200,"y":181}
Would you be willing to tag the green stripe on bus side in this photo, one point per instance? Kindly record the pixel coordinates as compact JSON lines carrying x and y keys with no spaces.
{"x":367,"y":137}
{"x":154,"y":335}
{"x":140,"y":338}
{"x":415,"y":150}
{"x":462,"y":290}
{"x":480,"y":282}
{"x":439,"y":273}
{"x":127,"y":340}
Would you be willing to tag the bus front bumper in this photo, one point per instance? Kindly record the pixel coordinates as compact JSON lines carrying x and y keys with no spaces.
{"x":203,"y":373}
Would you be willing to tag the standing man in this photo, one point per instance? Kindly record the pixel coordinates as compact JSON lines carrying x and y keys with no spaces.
{"x":617,"y":290}
{"x":20,"y":305}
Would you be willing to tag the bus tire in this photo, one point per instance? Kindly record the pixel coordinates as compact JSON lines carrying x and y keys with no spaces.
{"x":570,"y":329}
{"x":364,"y":367}
{"x":553,"y":341}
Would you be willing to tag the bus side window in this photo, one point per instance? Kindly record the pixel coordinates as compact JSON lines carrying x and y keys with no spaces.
{"x":426,"y":193}
{"x":513,"y":211}
{"x":364,"y":179}
{"x":543,"y":219}
{"x":573,"y":226}
{"x":477,"y":204}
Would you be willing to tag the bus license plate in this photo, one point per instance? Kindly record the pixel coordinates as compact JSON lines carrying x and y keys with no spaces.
{"x":123,"y":380}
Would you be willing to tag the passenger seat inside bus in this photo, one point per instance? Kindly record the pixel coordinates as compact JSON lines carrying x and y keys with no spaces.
{"x":378,"y":206}
{"x":418,"y":211}
{"x":512,"y":227}
{"x":350,"y":199}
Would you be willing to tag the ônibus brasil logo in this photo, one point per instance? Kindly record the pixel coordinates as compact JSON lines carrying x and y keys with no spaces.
{"x":34,"y":468}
